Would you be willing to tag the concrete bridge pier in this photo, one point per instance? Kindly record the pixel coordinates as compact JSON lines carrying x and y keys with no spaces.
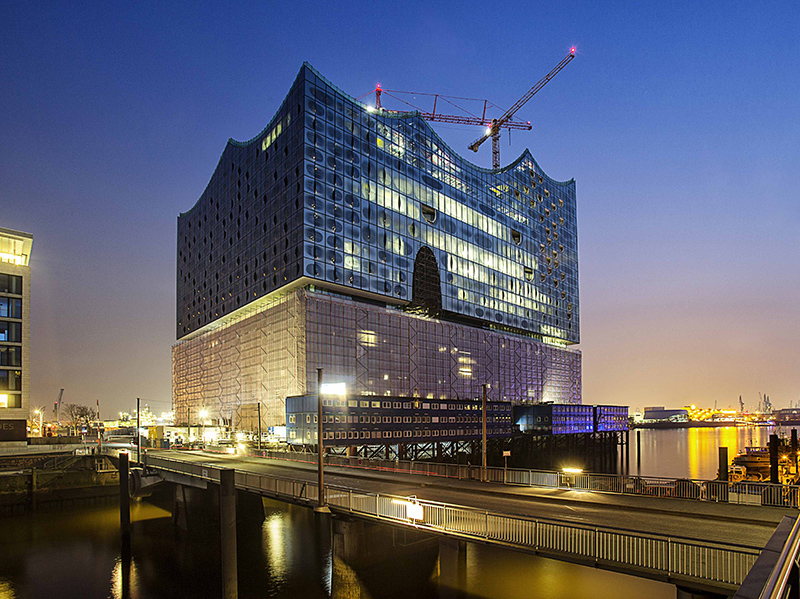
{"x":191,"y":507}
{"x":349,"y":552}
{"x":452,"y":566}
{"x":249,"y":509}
{"x":227,"y":519}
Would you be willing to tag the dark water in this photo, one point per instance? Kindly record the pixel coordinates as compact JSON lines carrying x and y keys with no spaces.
{"x":76,"y":555}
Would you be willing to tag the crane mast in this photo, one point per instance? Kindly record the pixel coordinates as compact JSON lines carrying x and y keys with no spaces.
{"x":494,"y":127}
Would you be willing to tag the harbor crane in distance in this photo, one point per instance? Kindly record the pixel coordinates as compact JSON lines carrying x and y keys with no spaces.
{"x":493,"y":129}
{"x":57,"y":404}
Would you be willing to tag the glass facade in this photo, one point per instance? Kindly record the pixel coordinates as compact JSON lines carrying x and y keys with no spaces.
{"x":15,"y":251}
{"x":337,"y":195}
{"x":357,"y":241}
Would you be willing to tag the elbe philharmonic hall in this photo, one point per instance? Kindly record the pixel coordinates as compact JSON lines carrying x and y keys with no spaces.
{"x":355,"y":240}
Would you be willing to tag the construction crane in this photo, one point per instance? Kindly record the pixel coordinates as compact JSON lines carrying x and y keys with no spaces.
{"x":446,"y":118}
{"x":57,"y":404}
{"x":493,"y":128}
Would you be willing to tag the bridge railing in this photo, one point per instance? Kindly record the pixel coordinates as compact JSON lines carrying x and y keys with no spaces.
{"x":743,"y":493}
{"x":677,"y":558}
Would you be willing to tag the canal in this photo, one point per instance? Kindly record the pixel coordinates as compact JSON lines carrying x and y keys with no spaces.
{"x":76,"y":554}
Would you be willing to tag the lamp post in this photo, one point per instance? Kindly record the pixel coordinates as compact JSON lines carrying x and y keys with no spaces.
{"x":39,"y":414}
{"x":320,"y":479}
{"x":483,"y":445}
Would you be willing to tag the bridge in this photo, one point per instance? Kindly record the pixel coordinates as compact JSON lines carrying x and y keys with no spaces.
{"x":704,"y":548}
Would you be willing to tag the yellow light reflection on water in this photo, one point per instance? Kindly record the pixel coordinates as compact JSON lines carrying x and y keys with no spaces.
{"x":7,"y":590}
{"x":693,"y":452}
{"x":494,"y":573}
{"x":121,"y":588}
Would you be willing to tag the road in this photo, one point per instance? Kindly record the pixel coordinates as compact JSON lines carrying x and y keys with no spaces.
{"x":749,"y":526}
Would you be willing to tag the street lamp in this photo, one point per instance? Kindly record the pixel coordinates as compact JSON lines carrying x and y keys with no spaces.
{"x":40,"y":415}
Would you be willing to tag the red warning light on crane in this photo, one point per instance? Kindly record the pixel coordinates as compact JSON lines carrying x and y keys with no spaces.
{"x":572,"y":50}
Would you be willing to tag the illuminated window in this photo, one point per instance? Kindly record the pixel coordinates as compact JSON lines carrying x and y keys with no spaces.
{"x":528,"y":273}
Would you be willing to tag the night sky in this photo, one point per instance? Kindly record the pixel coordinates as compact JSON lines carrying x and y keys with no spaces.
{"x":678,"y":120}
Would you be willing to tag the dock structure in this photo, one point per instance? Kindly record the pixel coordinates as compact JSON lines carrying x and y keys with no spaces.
{"x":704,"y":548}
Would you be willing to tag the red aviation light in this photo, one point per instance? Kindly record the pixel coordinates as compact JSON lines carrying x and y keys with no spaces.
{"x":572,"y":50}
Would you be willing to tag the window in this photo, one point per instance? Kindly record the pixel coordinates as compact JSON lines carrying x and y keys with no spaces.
{"x":428,"y":213}
{"x":516,"y":236}
{"x":10,"y":356}
{"x":10,"y":400}
{"x":11,"y":284}
{"x":10,"y":380}
{"x":528,"y":274}
{"x":308,"y":418}
{"x":10,"y":307}
{"x":10,"y":331}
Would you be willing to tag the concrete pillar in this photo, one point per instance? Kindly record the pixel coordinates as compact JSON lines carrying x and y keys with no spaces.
{"x":249,"y":508}
{"x":452,"y":563}
{"x":180,"y":508}
{"x":227,"y":518}
{"x":349,"y":541}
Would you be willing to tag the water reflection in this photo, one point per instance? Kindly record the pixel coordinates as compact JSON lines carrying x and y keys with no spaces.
{"x":499,"y":574}
{"x":693,"y":452}
{"x":292,"y":554}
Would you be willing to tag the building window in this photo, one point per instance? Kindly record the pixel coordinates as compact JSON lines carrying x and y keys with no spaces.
{"x":10,"y":356}
{"x":10,"y":307}
{"x":10,"y":331}
{"x":10,"y":400}
{"x":428,"y":213}
{"x":10,"y":284}
{"x":10,"y":380}
{"x":516,"y":236}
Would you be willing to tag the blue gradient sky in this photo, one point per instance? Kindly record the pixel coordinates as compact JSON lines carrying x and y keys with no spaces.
{"x":678,"y":120}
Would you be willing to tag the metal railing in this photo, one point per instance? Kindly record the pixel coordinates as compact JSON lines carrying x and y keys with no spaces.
{"x":780,"y":579}
{"x":740,"y":493}
{"x":657,"y":555}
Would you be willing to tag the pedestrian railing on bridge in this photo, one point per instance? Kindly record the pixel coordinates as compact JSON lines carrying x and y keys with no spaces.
{"x":673,"y":558}
{"x":742,"y":493}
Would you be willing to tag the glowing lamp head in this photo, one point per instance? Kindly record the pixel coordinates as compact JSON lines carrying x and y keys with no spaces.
{"x":572,"y":50}
{"x":370,"y":109}
{"x":488,"y":130}
{"x":203,"y":413}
